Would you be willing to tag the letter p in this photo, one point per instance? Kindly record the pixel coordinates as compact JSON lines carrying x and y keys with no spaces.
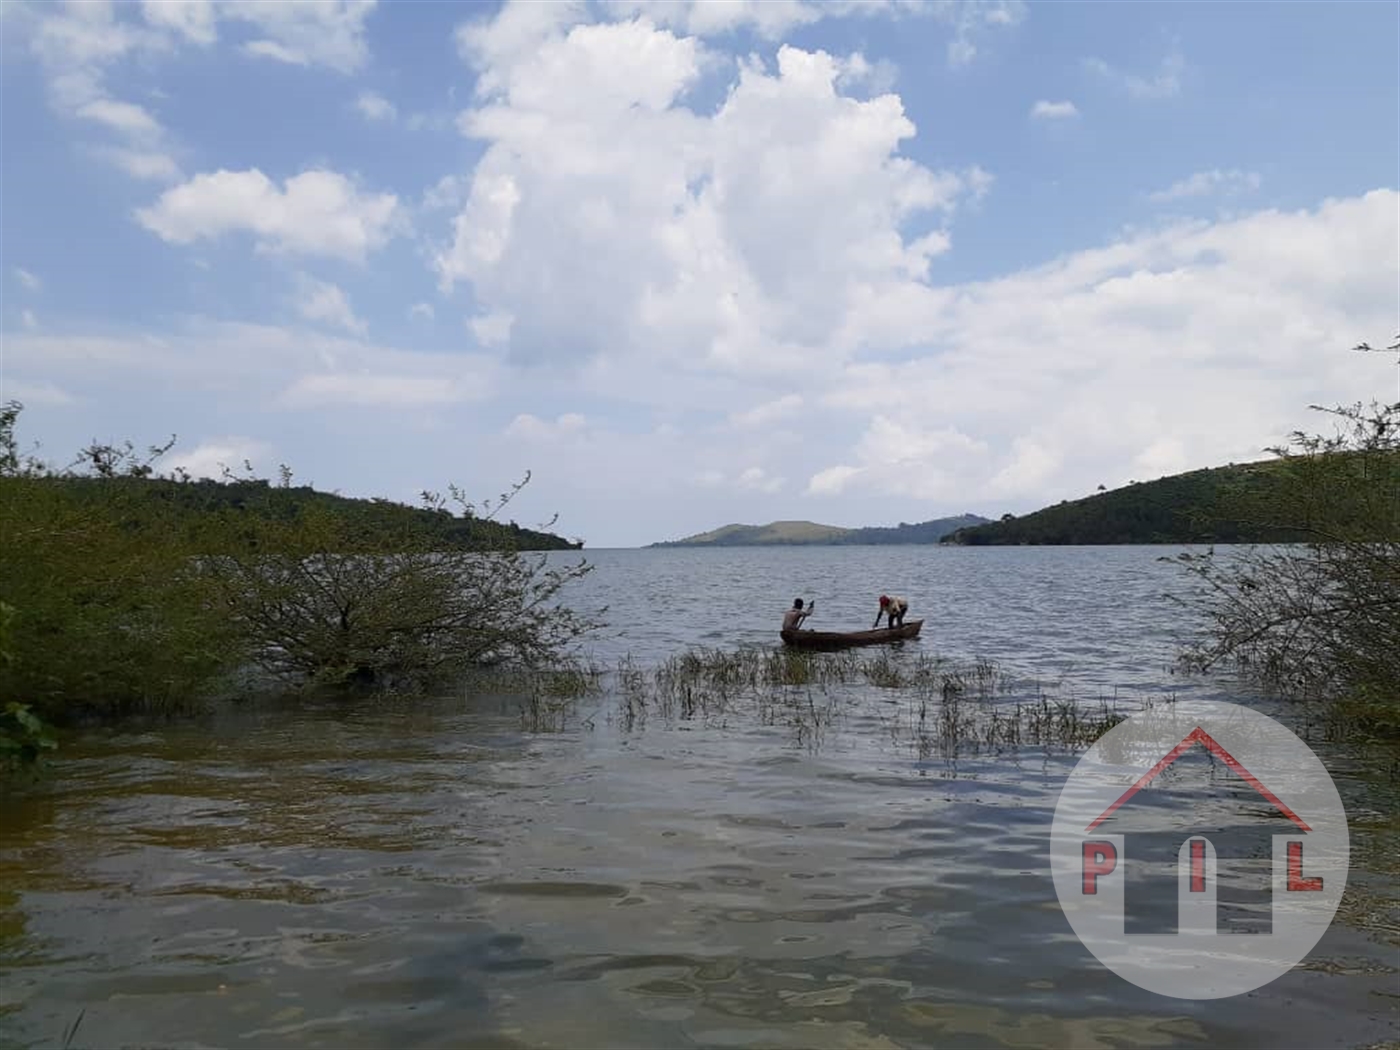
{"x":1100,"y":858}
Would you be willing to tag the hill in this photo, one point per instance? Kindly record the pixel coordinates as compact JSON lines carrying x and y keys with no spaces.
{"x":810,"y":533}
{"x":1182,"y":508}
{"x":377,"y":517}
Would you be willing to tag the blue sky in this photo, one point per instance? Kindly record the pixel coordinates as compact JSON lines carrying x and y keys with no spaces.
{"x":692,"y":263}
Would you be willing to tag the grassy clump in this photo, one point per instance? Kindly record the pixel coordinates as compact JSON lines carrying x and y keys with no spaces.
{"x":942,"y":707}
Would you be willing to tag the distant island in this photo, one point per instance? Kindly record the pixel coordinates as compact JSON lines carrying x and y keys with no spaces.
{"x":810,"y":533}
{"x":1198,"y":506}
{"x":1184,"y":508}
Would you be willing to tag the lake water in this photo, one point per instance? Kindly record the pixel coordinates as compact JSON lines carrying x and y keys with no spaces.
{"x":440,"y":874}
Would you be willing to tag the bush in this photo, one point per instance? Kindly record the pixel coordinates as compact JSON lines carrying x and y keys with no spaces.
{"x":325,"y":599}
{"x":1320,"y":618}
{"x":137,"y":591}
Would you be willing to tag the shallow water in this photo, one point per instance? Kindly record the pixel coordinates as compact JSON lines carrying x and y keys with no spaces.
{"x":434,"y":875}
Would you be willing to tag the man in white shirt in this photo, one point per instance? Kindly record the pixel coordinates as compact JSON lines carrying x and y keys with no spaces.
{"x":893,"y":609}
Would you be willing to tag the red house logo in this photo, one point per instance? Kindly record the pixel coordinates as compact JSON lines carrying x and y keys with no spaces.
{"x":1178,"y":834}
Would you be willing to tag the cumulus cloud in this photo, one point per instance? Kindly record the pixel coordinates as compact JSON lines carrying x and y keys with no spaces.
{"x":421,"y":312}
{"x":316,"y":213}
{"x":30,"y":282}
{"x":1044,"y":110}
{"x":607,"y":216}
{"x":903,"y":457}
{"x":210,"y":459}
{"x":1077,"y":372}
{"x":375,"y":107}
{"x":326,"y":303}
{"x":1205,"y":183}
{"x":28,"y":319}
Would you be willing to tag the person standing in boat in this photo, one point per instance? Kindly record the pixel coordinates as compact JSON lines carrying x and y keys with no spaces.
{"x":893,"y":609}
{"x":792,"y":619}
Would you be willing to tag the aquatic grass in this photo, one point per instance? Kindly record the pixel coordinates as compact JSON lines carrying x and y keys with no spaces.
{"x":947,"y":708}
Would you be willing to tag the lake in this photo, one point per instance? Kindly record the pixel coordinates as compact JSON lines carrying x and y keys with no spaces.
{"x":445,"y":872}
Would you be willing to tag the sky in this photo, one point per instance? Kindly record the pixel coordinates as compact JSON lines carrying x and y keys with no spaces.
{"x":692,"y":263}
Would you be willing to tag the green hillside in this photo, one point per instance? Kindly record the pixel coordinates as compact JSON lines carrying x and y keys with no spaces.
{"x":923,"y":532}
{"x":799,"y":533}
{"x":1194,"y":507}
{"x":375,"y":517}
{"x":777,"y":532}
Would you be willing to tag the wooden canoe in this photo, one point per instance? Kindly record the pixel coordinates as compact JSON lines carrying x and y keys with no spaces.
{"x":847,"y":639}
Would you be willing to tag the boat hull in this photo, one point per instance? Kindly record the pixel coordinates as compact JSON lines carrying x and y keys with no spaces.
{"x":850,"y":639}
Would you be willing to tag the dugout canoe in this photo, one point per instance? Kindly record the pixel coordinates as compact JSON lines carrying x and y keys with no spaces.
{"x":849,"y":639}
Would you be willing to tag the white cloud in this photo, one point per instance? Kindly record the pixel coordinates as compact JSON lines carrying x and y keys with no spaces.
{"x":904,"y":457}
{"x":450,"y":191}
{"x":769,"y":18}
{"x":519,"y":28}
{"x":492,"y":329}
{"x":28,"y":319}
{"x":757,"y":479}
{"x":375,"y":107}
{"x":1050,"y":382}
{"x":831,"y":481}
{"x":971,"y":18}
{"x":375,"y":390}
{"x":602,"y":197}
{"x":328,"y":33}
{"x":142,"y":164}
{"x":317,"y":213}
{"x":125,"y":117}
{"x":209,"y":460}
{"x":326,"y":303}
{"x":192,"y":19}
{"x":1204,"y":183}
{"x":1045,"y":110}
{"x":1029,"y":466}
{"x":1166,"y":83}
{"x":531,"y":428}
{"x":40,"y":392}
{"x":290,"y":367}
{"x":747,"y":480}
{"x":420,"y":312}
{"x":30,"y":281}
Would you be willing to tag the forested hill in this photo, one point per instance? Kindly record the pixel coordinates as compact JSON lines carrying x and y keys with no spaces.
{"x":796,"y":533}
{"x":1194,"y":507}
{"x":263,"y":500}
